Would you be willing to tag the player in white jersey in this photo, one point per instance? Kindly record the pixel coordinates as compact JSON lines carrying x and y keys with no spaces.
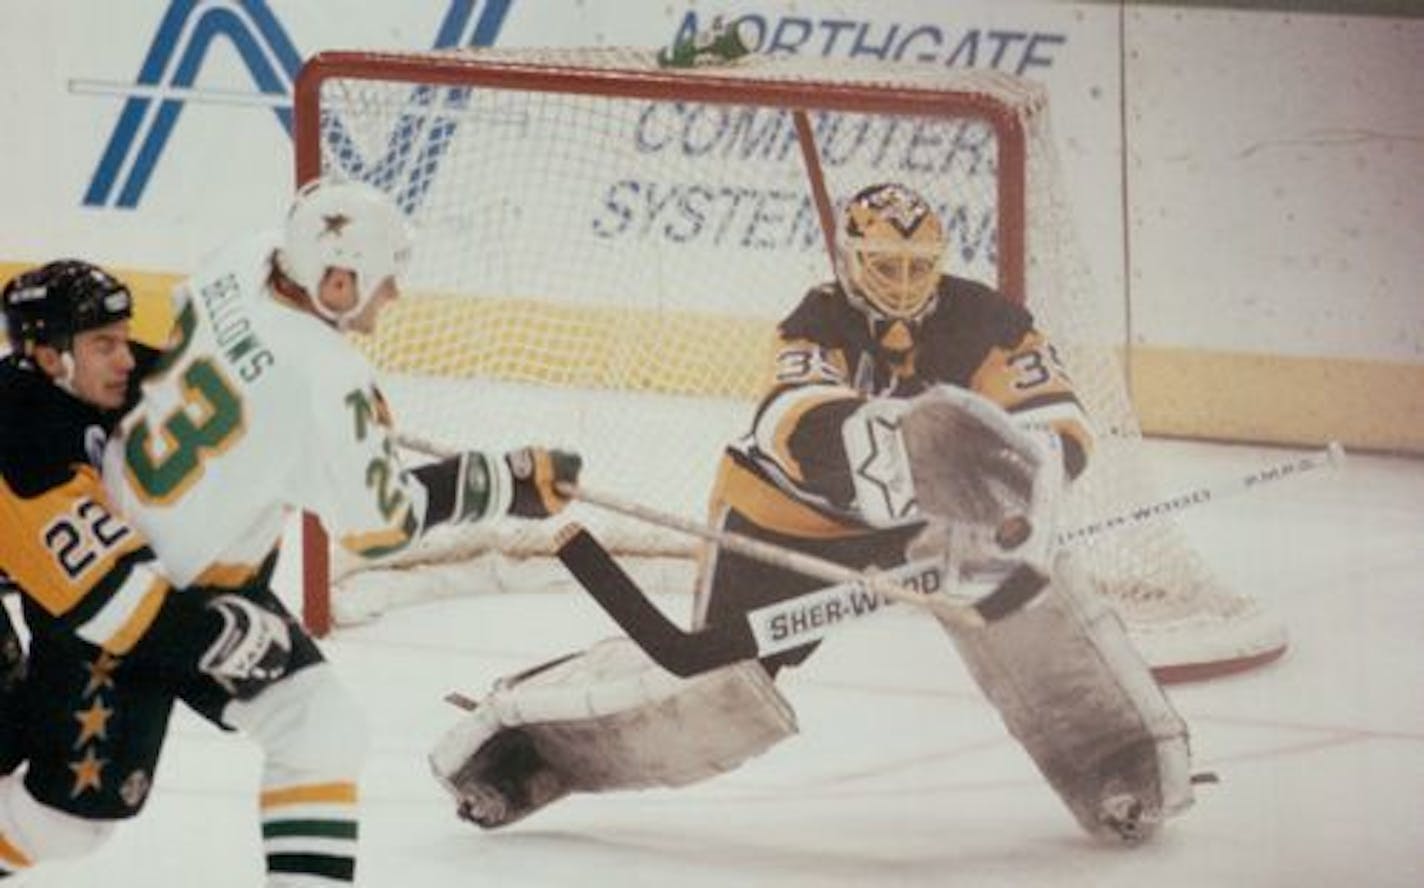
{"x":259,"y":406}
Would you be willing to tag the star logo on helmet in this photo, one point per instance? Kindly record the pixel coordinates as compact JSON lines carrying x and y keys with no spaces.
{"x":334,"y":224}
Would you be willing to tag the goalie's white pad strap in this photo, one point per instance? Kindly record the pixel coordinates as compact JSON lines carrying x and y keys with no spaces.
{"x":609,"y":718}
{"x":1071,"y":688}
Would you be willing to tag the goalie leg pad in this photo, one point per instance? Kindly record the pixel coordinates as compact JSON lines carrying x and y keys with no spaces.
{"x":1071,"y":688}
{"x":608,"y":718}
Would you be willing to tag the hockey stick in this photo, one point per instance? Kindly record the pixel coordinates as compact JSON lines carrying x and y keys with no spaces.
{"x":1332,"y":456}
{"x":805,"y":618}
{"x":779,"y":556}
{"x":773,"y":628}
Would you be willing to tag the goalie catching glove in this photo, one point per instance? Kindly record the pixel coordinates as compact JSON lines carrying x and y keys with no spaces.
{"x":986,"y":486}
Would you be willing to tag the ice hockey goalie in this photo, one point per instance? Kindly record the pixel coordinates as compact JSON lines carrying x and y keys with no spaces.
{"x":1061,"y":672}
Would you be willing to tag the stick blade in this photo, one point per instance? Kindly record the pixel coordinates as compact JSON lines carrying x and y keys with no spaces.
{"x":681,"y":653}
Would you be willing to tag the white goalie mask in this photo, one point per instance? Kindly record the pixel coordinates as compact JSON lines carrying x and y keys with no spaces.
{"x":888,"y":251}
{"x":350,"y":225}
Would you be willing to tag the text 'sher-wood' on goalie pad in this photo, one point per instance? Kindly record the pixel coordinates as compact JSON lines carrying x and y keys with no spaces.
{"x":604,"y":247}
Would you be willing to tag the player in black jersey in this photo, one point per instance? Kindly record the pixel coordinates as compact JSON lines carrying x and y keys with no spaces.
{"x":113,"y":645}
{"x":895,"y":346}
{"x":46,"y":428}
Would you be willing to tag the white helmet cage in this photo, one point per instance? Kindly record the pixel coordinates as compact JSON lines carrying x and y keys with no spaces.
{"x":889,"y":250}
{"x":350,"y":225}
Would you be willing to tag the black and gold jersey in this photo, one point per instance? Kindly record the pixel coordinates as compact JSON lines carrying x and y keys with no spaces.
{"x":789,"y":473}
{"x":80,"y":566}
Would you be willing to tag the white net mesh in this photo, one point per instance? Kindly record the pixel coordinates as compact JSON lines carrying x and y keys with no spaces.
{"x":600,"y":265}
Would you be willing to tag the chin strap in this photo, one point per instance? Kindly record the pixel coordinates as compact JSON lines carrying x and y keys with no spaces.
{"x":289,"y":292}
{"x":26,"y":359}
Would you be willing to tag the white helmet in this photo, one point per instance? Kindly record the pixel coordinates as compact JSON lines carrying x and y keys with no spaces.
{"x":888,"y":251}
{"x":351,"y":225}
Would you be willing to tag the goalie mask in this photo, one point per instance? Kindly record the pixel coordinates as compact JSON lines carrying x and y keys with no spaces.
{"x":347,"y":225}
{"x":49,"y":305}
{"x":888,"y":252}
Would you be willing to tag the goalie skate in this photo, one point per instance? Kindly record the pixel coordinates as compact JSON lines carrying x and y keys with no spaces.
{"x":504,"y":781}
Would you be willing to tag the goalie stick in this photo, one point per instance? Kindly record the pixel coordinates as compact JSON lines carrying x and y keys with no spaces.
{"x":806,"y":618}
{"x":772,"y":628}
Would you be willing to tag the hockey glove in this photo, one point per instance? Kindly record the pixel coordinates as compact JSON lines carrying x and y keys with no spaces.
{"x":252,"y":649}
{"x":537,"y":475}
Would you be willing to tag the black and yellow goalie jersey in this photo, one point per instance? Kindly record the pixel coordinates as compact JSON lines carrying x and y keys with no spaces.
{"x":80,"y":567}
{"x":789,"y":473}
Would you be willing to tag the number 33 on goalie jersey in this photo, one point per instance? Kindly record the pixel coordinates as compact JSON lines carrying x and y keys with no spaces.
{"x":790,"y":473}
{"x":257,"y":408}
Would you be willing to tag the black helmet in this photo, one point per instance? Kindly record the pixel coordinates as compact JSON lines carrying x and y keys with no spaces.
{"x":50,"y":304}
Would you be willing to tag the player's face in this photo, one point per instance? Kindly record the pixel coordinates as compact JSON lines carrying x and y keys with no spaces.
{"x":338,"y":290}
{"x":103,"y":362}
{"x":899,"y":280}
{"x":338,"y":294}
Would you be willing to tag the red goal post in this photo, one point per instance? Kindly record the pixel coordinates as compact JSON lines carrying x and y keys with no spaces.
{"x":592,"y":227}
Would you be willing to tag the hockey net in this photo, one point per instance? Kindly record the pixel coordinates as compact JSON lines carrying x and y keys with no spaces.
{"x":603,"y":251}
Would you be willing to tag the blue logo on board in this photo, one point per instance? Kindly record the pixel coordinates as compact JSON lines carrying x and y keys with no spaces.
{"x":167,"y":82}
